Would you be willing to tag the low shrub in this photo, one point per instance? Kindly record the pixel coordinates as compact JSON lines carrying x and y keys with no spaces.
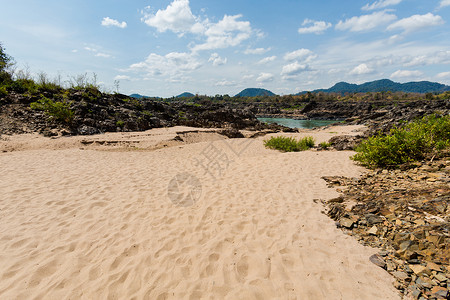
{"x":58,"y":110}
{"x":412,"y":142}
{"x":289,"y":144}
{"x":325,"y":145}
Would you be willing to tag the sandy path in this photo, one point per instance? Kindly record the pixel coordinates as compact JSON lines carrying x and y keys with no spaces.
{"x":85,"y":224}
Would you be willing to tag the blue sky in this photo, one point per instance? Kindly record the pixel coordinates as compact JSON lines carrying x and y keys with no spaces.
{"x":163,"y":48}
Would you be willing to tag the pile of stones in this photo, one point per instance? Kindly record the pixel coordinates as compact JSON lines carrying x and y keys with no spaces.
{"x":406,"y":214}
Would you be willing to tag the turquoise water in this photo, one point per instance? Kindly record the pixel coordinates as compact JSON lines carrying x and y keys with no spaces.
{"x":291,"y":123}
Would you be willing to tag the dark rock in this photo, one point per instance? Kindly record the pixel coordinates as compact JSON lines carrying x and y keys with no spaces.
{"x":344,"y":142}
{"x":373,"y":219}
{"x":87,"y":130}
{"x":231,"y":133}
{"x":378,"y":260}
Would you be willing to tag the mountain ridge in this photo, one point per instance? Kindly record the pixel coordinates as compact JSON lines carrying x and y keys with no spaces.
{"x":384,"y":85}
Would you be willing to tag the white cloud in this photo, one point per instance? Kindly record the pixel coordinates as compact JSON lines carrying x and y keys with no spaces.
{"x":305,"y":55}
{"x":366,"y":22}
{"x":122,"y":77}
{"x":246,"y":77}
{"x":102,"y":55}
{"x":265,"y":77}
{"x":217,"y":60}
{"x":380,"y":4}
{"x":228,"y":32}
{"x":434,"y":58}
{"x":317,"y":27}
{"x":108,"y":22}
{"x":406,"y":74}
{"x":257,"y":51}
{"x":225,"y":83}
{"x":361,"y":70}
{"x":444,"y":3}
{"x":266,"y":60}
{"x":443,"y":75}
{"x":97,"y":53}
{"x":294,"y":68}
{"x":417,"y":22}
{"x":172,"y":64}
{"x":177,"y":17}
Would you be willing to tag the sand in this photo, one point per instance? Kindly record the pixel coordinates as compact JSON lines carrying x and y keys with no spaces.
{"x":157,"y":218}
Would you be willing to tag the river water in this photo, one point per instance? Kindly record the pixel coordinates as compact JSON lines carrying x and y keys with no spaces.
{"x":292,"y":123}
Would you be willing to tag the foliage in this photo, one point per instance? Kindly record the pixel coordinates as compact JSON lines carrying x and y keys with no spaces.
{"x":325,"y":145}
{"x":5,"y":59}
{"x":3,"y":91}
{"x":412,"y":142}
{"x":289,"y":144}
{"x":23,"y":86}
{"x":58,"y":110}
{"x":120,"y":123}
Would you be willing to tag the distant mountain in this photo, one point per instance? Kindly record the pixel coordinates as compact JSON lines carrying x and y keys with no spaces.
{"x":137,"y":96}
{"x":185,"y":95}
{"x":252,"y":92}
{"x":385,"y":85}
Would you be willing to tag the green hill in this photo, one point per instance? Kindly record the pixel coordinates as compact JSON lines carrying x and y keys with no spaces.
{"x":253,"y":92}
{"x":185,"y":95}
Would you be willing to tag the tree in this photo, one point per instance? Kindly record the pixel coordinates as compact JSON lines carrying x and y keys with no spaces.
{"x":5,"y":59}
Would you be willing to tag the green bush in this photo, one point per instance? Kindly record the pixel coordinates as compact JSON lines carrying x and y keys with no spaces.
{"x":120,"y":123}
{"x":60,"y":111}
{"x":289,"y":144}
{"x":23,"y":86}
{"x":402,"y":145}
{"x":3,"y":91}
{"x":325,"y":145}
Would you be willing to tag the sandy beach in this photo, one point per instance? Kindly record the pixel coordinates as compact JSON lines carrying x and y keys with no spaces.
{"x":176,"y":213}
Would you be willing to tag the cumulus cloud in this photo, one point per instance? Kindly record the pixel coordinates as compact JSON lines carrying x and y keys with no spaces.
{"x":228,"y":32}
{"x":417,"y":22}
{"x":366,"y":22}
{"x":177,"y":17}
{"x":303,"y":54}
{"x":172,"y":64}
{"x":257,"y":51}
{"x":317,"y":27}
{"x":444,"y":3}
{"x":406,"y":74}
{"x":294,"y":68}
{"x":108,"y":22}
{"x":361,"y":70}
{"x":265,"y":77}
{"x":380,"y":4}
{"x":217,"y":60}
{"x":266,"y":60}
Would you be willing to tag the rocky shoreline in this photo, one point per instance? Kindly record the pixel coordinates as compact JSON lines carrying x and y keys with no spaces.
{"x":406,"y":214}
{"x":95,"y":112}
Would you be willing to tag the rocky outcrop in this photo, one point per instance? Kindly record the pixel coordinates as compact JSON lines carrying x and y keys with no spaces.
{"x":406,"y":214}
{"x":95,"y":112}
